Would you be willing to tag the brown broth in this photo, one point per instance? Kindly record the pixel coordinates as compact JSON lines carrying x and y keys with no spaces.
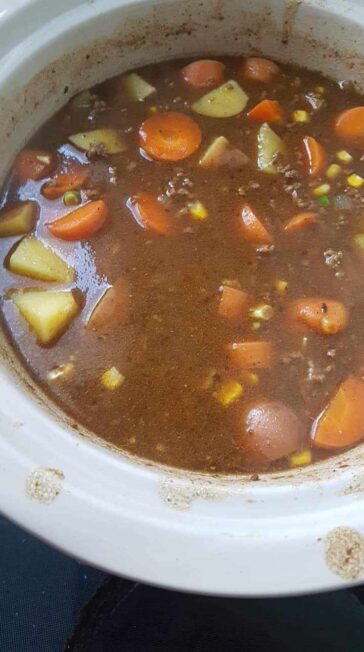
{"x":173,"y":336}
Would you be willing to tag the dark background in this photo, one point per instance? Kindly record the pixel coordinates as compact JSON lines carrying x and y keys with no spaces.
{"x":42,"y":593}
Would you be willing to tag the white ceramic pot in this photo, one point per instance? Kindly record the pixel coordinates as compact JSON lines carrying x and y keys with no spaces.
{"x":288,"y":533}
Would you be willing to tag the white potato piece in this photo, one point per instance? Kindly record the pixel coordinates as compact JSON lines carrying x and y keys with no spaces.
{"x":269,"y":145}
{"x":222,"y":153}
{"x":82,"y":100}
{"x":112,"y":140}
{"x":137,"y":88}
{"x":222,"y":102}
{"x":18,"y":220}
{"x":34,"y":259}
{"x":47,"y":313}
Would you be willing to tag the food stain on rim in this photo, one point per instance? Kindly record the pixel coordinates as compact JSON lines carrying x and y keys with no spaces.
{"x":344,"y":553}
{"x":44,"y":485}
{"x":180,"y":494}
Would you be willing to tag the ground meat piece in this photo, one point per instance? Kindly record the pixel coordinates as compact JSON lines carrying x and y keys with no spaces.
{"x":293,"y":356}
{"x":316,"y":375}
{"x":98,"y":107}
{"x":92,"y":193}
{"x":96,"y":150}
{"x":334,"y":260}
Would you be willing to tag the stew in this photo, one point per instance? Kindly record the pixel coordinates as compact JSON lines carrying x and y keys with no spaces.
{"x":183,"y":263}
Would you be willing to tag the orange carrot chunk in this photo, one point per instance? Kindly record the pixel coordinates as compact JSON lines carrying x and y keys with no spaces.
{"x":260,"y":70}
{"x":253,"y":228}
{"x":170,"y":136}
{"x":80,"y":224}
{"x":203,"y":73}
{"x":324,"y":316}
{"x":267,"y":111}
{"x":232,"y":303}
{"x":251,"y":355}
{"x":300,"y":221}
{"x":71,"y":179}
{"x":34,"y":164}
{"x":349,"y":126}
{"x":316,"y":158}
{"x":150,"y":214}
{"x":341,"y":424}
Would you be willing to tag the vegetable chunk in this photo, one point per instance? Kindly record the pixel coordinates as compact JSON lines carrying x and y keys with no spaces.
{"x":137,"y":88}
{"x":48,"y":313}
{"x":271,"y":429}
{"x":221,"y":153}
{"x":18,"y":220}
{"x":223,"y":102}
{"x":81,"y":223}
{"x":251,"y":355}
{"x":260,"y":70}
{"x":325,"y":316}
{"x":111,"y":140}
{"x":253,"y":228}
{"x":349,"y":126}
{"x":341,"y":424}
{"x":170,"y":136}
{"x":34,"y":259}
{"x":112,"y":308}
{"x":269,"y":147}
{"x":203,"y":73}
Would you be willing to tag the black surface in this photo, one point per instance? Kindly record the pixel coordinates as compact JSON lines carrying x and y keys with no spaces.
{"x":42,"y":593}
{"x":129,"y":617}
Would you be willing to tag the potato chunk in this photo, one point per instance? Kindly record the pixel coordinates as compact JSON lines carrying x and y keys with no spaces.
{"x":222,"y":153}
{"x":269,"y":146}
{"x":18,"y":220}
{"x":137,"y":88}
{"x":32,"y":258}
{"x":48,"y":313}
{"x":111,"y":141}
{"x":223,"y":102}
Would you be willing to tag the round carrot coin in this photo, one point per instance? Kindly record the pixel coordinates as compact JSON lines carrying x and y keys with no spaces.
{"x":203,"y":73}
{"x":170,"y":136}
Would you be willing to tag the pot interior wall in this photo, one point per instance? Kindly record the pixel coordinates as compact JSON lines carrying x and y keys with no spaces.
{"x":89,"y":42}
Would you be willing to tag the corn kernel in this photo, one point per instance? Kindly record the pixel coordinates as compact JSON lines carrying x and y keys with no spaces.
{"x":152,"y":109}
{"x":320,"y":89}
{"x":359,"y":241}
{"x":112,"y":378}
{"x":198,"y":210}
{"x":301,"y":116}
{"x":210,"y":379}
{"x":281,"y":287}
{"x":343,"y":156}
{"x":355,"y":181}
{"x":301,"y":459}
{"x":251,"y":378}
{"x":62,"y":372}
{"x":327,"y":326}
{"x":228,"y":392}
{"x":255,"y":325}
{"x":262,"y":311}
{"x":333,"y":171}
{"x":321,"y":190}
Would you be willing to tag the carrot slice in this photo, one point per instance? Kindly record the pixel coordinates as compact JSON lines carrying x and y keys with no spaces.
{"x":232,"y":303}
{"x":341,"y":424}
{"x":151,"y":214}
{"x":82,"y":223}
{"x":324,"y":316}
{"x":349,"y":126}
{"x":72,"y":179}
{"x":251,"y":355}
{"x":203,"y":73}
{"x":315,"y":155}
{"x":253,"y":228}
{"x":300,"y":221}
{"x":34,"y":164}
{"x":170,"y":136}
{"x":267,"y":111}
{"x":260,"y":70}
